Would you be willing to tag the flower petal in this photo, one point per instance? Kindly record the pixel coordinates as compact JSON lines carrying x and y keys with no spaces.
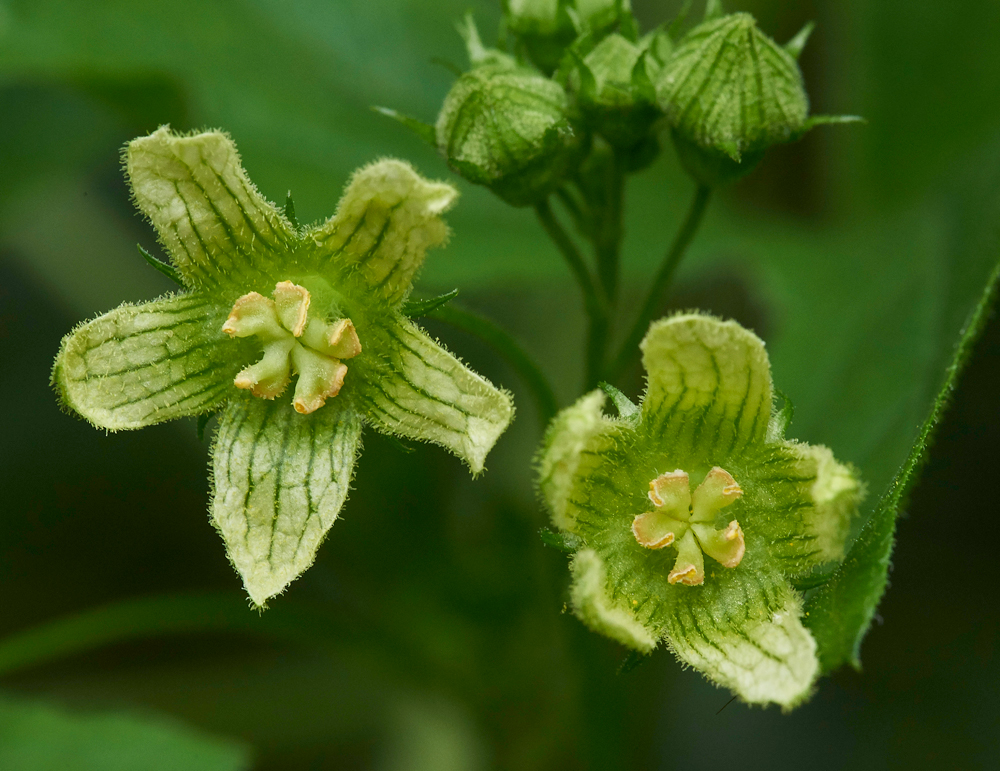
{"x":563,"y":454}
{"x":744,"y":632}
{"x":593,"y":606}
{"x":672,"y":491}
{"x":725,"y":546}
{"x":211,"y":219}
{"x":427,"y":394}
{"x":709,"y":385}
{"x":657,"y":529}
{"x":280,"y":481}
{"x":387,"y":219}
{"x":144,"y":364}
{"x":813,"y":530}
{"x":689,"y":568}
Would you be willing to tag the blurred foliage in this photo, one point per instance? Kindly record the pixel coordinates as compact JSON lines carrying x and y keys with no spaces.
{"x":857,"y":254}
{"x":37,"y":737}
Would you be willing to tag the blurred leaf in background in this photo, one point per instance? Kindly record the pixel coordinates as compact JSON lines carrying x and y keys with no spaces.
{"x":37,"y":737}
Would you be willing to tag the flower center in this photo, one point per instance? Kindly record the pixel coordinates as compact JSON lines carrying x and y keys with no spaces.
{"x":688,"y":520}
{"x":294,"y":343}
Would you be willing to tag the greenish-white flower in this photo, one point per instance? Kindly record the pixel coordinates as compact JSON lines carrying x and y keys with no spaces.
{"x":695,"y":519}
{"x":295,"y":334}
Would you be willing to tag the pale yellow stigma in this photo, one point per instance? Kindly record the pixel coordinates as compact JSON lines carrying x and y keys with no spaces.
{"x":294,"y":343}
{"x":687,"y":521}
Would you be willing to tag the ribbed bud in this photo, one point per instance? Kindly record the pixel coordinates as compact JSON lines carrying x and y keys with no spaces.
{"x":547,"y":27}
{"x":601,"y":15}
{"x":509,"y":128}
{"x":730,"y":92}
{"x":614,"y":89}
{"x":544,"y":27}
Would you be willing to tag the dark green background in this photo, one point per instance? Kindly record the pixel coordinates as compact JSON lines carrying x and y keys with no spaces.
{"x":431,"y":632}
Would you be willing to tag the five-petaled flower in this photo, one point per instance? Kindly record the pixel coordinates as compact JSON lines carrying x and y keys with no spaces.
{"x":265,"y":302}
{"x":708,"y":451}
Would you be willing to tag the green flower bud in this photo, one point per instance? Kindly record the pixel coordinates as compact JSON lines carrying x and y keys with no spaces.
{"x":509,"y":128}
{"x":730,"y":92}
{"x":601,"y":15}
{"x":547,"y":27}
{"x":544,"y":27}
{"x":615,"y":93}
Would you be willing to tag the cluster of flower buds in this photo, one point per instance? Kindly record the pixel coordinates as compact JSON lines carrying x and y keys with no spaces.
{"x":522,"y":121}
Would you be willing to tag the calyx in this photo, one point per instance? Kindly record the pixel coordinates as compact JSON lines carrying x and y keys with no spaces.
{"x":687,"y":520}
{"x":294,"y":343}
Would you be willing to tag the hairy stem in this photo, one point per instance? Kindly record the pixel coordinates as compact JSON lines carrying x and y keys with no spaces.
{"x":663,"y":280}
{"x":510,"y":349}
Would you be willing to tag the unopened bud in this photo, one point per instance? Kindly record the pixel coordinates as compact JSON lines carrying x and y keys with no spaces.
{"x":730,"y":92}
{"x":509,"y":128}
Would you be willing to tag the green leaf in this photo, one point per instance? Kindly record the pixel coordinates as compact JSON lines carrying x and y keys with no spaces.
{"x":699,"y":365}
{"x":429,"y":395}
{"x":387,"y":219}
{"x":281,"y":479}
{"x":35,"y":736}
{"x":415,"y":308}
{"x":841,"y":611}
{"x":144,"y":364}
{"x":209,"y":216}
